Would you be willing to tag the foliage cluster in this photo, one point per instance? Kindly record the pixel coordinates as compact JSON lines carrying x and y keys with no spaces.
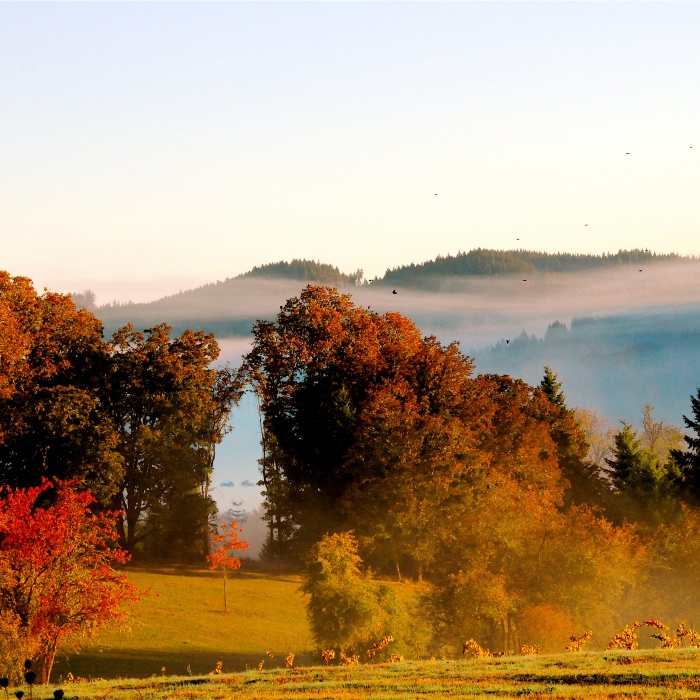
{"x":135,"y":419}
{"x":307,"y":271}
{"x":480,"y":484}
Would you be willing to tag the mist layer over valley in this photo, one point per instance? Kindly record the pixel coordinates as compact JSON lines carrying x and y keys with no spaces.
{"x":620,"y":338}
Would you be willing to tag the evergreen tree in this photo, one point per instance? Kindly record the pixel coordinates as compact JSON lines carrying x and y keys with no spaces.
{"x":688,"y":462}
{"x":644,"y":482}
{"x":552,"y":389}
{"x":583,"y":476}
{"x":626,"y":457}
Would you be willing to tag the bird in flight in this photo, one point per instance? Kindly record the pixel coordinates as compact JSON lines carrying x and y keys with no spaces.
{"x":507,"y":341}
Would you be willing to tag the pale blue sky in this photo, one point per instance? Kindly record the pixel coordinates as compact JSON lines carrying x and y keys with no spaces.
{"x":148,"y":148}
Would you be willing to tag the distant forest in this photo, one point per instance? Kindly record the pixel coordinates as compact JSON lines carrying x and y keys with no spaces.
{"x":307,"y":271}
{"x":516,"y":262}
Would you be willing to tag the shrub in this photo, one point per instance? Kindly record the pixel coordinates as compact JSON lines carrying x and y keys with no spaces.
{"x":346,"y":608}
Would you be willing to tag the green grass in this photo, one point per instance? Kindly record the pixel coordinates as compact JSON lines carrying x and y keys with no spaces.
{"x":594,"y":675}
{"x":182,"y":622}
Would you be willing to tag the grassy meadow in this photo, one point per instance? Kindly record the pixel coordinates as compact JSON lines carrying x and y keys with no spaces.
{"x":181,"y":622}
{"x":179,"y":632}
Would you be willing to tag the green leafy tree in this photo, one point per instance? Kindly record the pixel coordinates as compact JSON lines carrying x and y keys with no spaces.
{"x":169,"y":409}
{"x":347,"y":610}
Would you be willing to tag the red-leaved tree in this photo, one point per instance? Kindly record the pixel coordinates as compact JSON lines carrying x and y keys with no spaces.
{"x":225,"y":543}
{"x":57,"y":579}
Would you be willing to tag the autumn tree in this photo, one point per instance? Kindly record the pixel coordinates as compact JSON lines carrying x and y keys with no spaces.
{"x":527,"y":558}
{"x":57,"y":579}
{"x":599,"y":435}
{"x":169,"y":409}
{"x":659,"y":437}
{"x":325,"y":372}
{"x":224,"y":544}
{"x":416,"y":457}
{"x":52,"y":425}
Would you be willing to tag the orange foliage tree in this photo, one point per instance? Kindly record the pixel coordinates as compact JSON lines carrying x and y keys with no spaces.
{"x":225,"y":543}
{"x":52,"y":357}
{"x":326,"y":373}
{"x":56,"y":569}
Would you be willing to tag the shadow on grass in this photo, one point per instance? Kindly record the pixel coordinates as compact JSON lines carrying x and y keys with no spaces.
{"x":246,"y":572}
{"x":92,"y":664}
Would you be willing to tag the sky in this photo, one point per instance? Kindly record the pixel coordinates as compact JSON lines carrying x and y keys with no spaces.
{"x":148,"y":148}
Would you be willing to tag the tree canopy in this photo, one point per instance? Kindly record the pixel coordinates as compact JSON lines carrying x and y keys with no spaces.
{"x":134,"y":420}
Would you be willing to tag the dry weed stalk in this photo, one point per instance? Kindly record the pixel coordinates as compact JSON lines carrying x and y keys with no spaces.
{"x":474,"y":649}
{"x":379,"y":645}
{"x":578,"y":642}
{"x":349,"y":660}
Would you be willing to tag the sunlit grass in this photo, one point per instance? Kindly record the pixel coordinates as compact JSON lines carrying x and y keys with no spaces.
{"x":591,"y":675}
{"x":181,"y":623}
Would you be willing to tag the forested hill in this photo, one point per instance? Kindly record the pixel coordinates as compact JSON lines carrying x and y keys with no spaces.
{"x":481,"y":279}
{"x":486,"y":262}
{"x":228,"y":307}
{"x":306,"y":271}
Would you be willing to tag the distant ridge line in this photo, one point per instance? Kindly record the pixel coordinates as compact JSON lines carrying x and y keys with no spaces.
{"x":478,"y":262}
{"x":489,"y":262}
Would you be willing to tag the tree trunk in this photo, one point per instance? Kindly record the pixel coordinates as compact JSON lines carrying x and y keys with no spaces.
{"x":511,"y":635}
{"x":47,"y":664}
